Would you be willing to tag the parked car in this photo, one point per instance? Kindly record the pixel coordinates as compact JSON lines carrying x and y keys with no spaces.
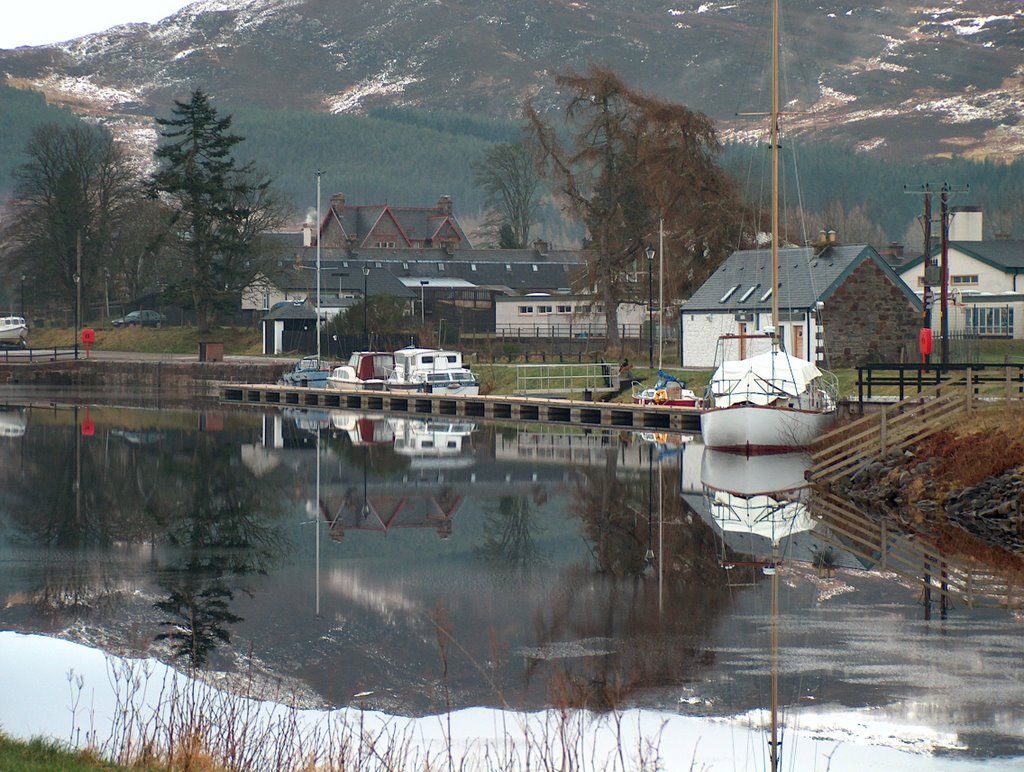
{"x":143,"y":318}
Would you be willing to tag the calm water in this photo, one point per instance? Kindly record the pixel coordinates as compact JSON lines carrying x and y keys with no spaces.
{"x":357,"y":559}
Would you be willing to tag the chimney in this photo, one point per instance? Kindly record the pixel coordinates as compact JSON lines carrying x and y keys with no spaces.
{"x":307,"y":234}
{"x":541,"y":246}
{"x":965,"y":223}
{"x":338,"y":201}
{"x":832,"y":237}
{"x":444,"y":204}
{"x":895,"y":249}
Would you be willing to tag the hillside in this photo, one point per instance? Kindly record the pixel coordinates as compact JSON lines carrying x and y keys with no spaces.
{"x":916,"y":79}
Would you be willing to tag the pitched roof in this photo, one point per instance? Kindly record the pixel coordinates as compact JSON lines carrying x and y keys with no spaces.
{"x":805,"y":277}
{"x":416,"y":224}
{"x":1004,"y":254}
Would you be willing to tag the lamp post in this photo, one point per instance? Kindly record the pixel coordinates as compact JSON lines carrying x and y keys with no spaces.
{"x":366,"y":298}
{"x":423,"y":299}
{"x":78,"y":292}
{"x":650,"y":306}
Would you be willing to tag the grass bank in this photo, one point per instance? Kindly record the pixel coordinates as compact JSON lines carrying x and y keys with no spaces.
{"x":148,"y":340}
{"x":46,"y":756}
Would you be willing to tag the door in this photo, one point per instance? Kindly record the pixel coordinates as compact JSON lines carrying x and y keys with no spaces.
{"x":798,"y":340}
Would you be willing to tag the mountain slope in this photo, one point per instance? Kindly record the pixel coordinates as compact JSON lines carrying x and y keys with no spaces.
{"x":910,"y":78}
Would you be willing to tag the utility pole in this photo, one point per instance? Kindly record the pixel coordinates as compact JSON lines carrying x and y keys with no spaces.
{"x":944,"y":270}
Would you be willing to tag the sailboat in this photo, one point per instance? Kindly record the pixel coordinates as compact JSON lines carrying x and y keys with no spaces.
{"x":770,"y":402}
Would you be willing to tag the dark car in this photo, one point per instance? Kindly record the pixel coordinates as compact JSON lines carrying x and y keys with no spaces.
{"x":143,"y":318}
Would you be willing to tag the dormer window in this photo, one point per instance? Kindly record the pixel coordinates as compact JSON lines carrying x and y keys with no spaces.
{"x":535,"y":268}
{"x":440,"y":267}
{"x":472,"y":266}
{"x":728,"y":294}
{"x":508,"y":267}
{"x":766,"y":295}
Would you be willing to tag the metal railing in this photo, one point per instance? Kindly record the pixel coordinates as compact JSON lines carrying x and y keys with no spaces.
{"x":28,"y":355}
{"x":567,"y":378}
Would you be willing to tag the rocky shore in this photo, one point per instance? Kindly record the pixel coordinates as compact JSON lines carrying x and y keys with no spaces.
{"x":962,"y":489}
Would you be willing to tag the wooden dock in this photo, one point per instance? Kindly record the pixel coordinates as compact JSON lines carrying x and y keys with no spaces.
{"x":494,"y":407}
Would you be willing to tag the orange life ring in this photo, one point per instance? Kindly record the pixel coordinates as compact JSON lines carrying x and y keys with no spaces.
{"x":660,"y":397}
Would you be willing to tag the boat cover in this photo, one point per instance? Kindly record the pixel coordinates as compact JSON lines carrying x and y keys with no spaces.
{"x":762,"y":379}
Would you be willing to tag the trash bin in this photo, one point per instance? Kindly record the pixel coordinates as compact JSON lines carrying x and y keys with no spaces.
{"x":211,"y":351}
{"x":588,"y":395}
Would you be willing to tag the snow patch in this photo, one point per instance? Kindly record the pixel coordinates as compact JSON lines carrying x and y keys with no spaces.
{"x":381,"y":84}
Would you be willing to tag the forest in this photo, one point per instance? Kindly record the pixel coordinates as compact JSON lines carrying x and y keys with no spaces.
{"x":411,"y":157}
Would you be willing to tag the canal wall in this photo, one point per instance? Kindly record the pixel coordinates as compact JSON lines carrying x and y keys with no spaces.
{"x":179,"y":376}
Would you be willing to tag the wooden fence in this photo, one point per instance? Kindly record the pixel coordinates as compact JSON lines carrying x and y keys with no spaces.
{"x":853,"y":446}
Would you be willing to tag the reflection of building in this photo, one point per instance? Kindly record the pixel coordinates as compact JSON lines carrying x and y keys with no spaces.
{"x":384,"y":512}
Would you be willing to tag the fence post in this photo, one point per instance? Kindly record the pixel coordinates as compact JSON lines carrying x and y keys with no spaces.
{"x":970,"y":389}
{"x":1008,"y":392}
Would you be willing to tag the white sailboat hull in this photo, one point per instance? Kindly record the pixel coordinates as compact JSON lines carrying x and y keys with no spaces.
{"x":762,"y":428}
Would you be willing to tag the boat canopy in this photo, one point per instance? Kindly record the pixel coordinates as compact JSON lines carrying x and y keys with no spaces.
{"x":762,"y":379}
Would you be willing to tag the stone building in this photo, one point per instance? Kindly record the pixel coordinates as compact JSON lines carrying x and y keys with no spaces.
{"x":839,"y":306}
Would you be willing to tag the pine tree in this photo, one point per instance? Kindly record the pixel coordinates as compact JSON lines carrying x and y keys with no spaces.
{"x":220,"y":209}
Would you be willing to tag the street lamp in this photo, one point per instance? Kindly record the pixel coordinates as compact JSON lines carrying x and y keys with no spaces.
{"x":650,"y":305}
{"x":423,"y":296}
{"x":78,"y":292}
{"x":366,"y":330}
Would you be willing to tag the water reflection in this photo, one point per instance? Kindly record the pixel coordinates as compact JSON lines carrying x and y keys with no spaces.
{"x":571,"y":566}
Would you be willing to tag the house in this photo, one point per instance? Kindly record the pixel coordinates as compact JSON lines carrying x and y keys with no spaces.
{"x":545,"y":315}
{"x":840,"y":305}
{"x":383,"y":226}
{"x":985,"y":289}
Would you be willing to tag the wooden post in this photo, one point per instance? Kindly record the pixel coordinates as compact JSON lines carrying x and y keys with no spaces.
{"x":927,"y":589}
{"x":970,"y":389}
{"x":882,"y":430}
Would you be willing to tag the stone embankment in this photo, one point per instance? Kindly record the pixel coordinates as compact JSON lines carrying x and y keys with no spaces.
{"x":960,"y":483}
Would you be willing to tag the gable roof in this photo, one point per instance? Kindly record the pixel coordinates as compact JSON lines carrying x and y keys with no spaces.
{"x":414,"y":224}
{"x":805,"y":277}
{"x":1003,"y":254}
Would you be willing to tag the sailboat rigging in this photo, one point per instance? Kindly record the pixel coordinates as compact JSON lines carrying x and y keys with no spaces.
{"x":773,"y":401}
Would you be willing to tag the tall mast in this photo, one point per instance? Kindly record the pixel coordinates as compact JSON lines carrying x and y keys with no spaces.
{"x":774,"y":139}
{"x":318,"y":225}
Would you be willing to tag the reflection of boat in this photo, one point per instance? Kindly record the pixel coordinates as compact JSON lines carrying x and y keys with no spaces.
{"x":309,"y":372}
{"x":363,"y":429}
{"x":667,"y":390}
{"x":433,"y":442}
{"x":312,"y":421}
{"x":13,"y":331}
{"x":365,"y":371}
{"x":432,"y":370}
{"x":12,"y":422}
{"x":764,"y":474}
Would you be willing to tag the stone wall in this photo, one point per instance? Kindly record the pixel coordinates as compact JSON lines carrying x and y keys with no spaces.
{"x":869,"y":319}
{"x":198,"y":378}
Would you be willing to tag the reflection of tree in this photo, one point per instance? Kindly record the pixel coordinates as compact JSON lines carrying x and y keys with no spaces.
{"x":199,"y":617}
{"x":660,"y":639}
{"x":509,"y":529}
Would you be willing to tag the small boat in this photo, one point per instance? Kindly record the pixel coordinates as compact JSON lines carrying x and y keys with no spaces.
{"x":432,"y":370}
{"x":308,"y":372}
{"x":13,"y":331}
{"x":667,"y":390}
{"x":768,"y":403}
{"x":365,"y":371}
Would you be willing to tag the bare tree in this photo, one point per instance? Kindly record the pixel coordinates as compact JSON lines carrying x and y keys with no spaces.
{"x":631,"y":161}
{"x":72,"y":200}
{"x":510,"y":183}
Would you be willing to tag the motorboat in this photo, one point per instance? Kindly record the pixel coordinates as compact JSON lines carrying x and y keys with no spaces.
{"x":434,"y":443}
{"x":13,"y":331}
{"x":667,"y":390}
{"x":308,"y":372}
{"x":365,"y":371}
{"x":771,"y":402}
{"x":431,"y":370}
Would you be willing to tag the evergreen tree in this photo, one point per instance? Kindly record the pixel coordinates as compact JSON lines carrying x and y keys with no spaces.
{"x":220,"y":209}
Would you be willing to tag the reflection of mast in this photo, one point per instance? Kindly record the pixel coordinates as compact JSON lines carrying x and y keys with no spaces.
{"x":773,"y":750}
{"x":316,"y":520}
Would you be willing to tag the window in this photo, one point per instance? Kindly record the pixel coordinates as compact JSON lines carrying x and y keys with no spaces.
{"x":543,"y":309}
{"x":565,"y":309}
{"x":508,"y":267}
{"x":728,"y":294}
{"x":386,"y":245}
{"x":534,"y":268}
{"x":766,"y":295}
{"x":405,"y":266}
{"x":991,"y":321}
{"x":440,"y":267}
{"x":472,"y":266}
{"x":964,"y":279}
{"x":748,"y":293}
{"x":525,"y":310}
